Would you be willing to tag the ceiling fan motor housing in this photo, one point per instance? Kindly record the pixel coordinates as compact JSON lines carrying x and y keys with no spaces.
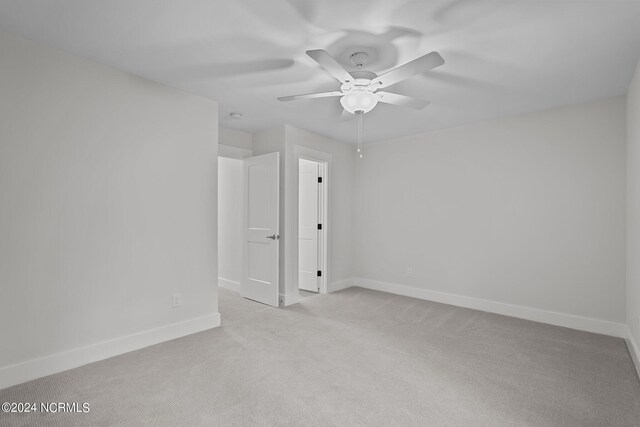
{"x":363,"y":75}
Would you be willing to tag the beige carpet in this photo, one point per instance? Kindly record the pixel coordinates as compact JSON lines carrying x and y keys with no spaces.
{"x":355,"y":357}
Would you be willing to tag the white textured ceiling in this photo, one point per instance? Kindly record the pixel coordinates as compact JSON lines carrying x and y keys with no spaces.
{"x":502,"y":57}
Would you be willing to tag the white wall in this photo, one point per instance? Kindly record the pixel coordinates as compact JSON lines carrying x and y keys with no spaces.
{"x":633,"y":213}
{"x":230,"y":212}
{"x":526,"y":210}
{"x":108,"y":187}
{"x":235,"y":138}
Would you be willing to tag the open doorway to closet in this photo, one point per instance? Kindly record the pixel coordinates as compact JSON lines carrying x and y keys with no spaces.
{"x":312,"y":227}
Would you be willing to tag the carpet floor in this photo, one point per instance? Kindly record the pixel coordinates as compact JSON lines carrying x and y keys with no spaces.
{"x":355,"y":357}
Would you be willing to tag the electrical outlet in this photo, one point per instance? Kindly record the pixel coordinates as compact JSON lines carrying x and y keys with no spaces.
{"x":410,"y":272}
{"x":177,"y":300}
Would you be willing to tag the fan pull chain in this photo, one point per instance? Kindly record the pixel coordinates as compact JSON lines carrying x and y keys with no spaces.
{"x":360,"y":114}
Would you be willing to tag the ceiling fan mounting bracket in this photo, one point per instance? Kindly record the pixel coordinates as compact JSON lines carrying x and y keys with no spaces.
{"x":359,"y":59}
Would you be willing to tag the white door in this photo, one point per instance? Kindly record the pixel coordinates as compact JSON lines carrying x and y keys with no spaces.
{"x":261,"y":234}
{"x":308,"y":225}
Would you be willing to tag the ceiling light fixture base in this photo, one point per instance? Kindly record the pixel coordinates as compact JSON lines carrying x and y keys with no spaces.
{"x":359,"y":59}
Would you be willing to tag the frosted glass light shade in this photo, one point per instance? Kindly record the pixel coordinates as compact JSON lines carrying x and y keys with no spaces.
{"x":359,"y":101}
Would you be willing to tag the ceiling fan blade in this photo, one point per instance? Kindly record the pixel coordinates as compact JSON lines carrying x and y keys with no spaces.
{"x":327,"y":62}
{"x":310,"y":96}
{"x":411,"y":68}
{"x":405,"y":101}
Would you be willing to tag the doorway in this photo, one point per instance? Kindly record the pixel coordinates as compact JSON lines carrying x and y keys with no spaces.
{"x":231,"y":305}
{"x":248,"y":234}
{"x":311,"y":226}
{"x":230,"y":232}
{"x":307,"y":203}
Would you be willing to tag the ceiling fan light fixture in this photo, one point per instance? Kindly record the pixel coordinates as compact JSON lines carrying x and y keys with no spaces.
{"x":359,"y":101}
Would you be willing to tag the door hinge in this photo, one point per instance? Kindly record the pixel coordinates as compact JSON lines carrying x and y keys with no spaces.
{"x":319,"y":180}
{"x":319,"y":273}
{"x":319,"y":226}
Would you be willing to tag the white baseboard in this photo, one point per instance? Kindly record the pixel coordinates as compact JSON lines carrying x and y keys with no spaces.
{"x":341,"y":284}
{"x":52,"y":364}
{"x":538,"y":315}
{"x":229,"y":284}
{"x":634,"y":351}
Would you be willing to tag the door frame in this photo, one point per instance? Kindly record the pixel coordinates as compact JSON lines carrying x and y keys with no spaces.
{"x":324,"y":159}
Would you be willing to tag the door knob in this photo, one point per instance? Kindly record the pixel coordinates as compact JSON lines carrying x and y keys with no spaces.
{"x":273,"y":237}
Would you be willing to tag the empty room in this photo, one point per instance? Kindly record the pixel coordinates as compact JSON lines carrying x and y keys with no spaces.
{"x":320,"y":213}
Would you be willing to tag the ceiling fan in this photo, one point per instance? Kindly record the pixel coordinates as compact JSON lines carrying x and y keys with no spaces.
{"x":360,"y":90}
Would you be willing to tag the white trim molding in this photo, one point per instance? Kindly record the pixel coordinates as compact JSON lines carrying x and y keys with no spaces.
{"x":634,"y":351}
{"x":58,"y":362}
{"x":572,"y":321}
{"x":229,"y":284}
{"x":233,"y":152}
{"x":288,"y":299}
